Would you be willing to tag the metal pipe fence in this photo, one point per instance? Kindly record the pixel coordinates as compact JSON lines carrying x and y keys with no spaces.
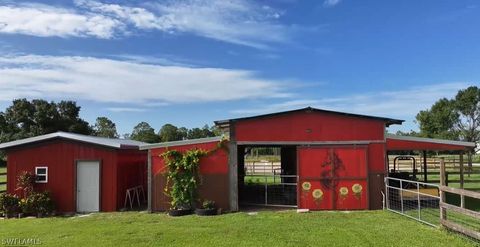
{"x":416,"y":200}
{"x":269,"y":190}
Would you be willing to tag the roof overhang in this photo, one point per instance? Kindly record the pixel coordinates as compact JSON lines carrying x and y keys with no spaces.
{"x":181,"y":143}
{"x":106,"y":142}
{"x":406,"y":143}
{"x":388,"y":121}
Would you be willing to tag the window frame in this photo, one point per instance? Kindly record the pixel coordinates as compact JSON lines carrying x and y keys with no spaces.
{"x":45,"y":175}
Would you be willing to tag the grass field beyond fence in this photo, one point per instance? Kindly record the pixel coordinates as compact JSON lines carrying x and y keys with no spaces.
{"x":3,"y":178}
{"x":281,"y":228}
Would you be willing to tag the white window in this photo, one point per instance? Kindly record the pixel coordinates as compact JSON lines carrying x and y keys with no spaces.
{"x":41,"y":174}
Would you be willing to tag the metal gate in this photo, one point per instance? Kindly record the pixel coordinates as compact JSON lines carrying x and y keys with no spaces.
{"x":269,"y":190}
{"x":416,"y":200}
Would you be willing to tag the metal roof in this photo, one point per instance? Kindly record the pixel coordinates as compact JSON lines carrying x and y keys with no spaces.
{"x":388,"y":121}
{"x":431,"y":140}
{"x":108,"y":142}
{"x":181,"y":143}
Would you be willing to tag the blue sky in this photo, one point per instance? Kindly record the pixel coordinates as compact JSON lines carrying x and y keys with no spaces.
{"x":191,"y":62}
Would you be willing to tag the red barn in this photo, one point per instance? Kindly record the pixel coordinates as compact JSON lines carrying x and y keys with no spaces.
{"x":83,"y":173}
{"x":328,"y":161}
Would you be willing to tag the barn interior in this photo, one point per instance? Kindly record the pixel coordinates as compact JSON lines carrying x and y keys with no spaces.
{"x":267,"y":176}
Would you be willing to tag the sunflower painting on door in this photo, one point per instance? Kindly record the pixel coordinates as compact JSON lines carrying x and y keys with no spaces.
{"x":332,"y":178}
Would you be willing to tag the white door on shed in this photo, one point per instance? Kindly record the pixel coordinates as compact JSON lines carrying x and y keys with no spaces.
{"x":88,"y":186}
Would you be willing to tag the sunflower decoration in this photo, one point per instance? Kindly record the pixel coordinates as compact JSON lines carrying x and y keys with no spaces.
{"x":317,"y":196}
{"x":306,"y":186}
{"x":357,"y":190}
{"x":343,"y":192}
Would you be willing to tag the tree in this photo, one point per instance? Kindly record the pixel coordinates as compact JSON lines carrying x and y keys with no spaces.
{"x":37,"y":117}
{"x":169,"y":132}
{"x":455,"y":119}
{"x":145,"y":133}
{"x":439,"y":121}
{"x":104,"y":127}
{"x":467,"y":104}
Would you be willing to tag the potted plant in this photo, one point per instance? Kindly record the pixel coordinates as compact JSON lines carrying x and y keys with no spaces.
{"x":208,"y":208}
{"x":9,"y":205}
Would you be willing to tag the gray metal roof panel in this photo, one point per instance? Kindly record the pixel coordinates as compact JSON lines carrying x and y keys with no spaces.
{"x":108,"y":142}
{"x":181,"y":143}
{"x":431,"y":140}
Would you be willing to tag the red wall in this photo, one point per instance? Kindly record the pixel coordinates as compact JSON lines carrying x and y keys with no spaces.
{"x":60,"y":157}
{"x":329,"y":169}
{"x":131,"y":172}
{"x":213,"y":173}
{"x":309,"y":126}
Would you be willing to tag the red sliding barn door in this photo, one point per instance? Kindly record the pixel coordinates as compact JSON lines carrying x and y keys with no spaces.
{"x":332,"y":178}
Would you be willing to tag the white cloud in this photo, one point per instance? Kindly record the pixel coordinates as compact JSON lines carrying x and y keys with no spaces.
{"x":130,"y":82}
{"x":237,"y":21}
{"x":331,"y":3}
{"x":401,"y":104}
{"x":241,"y":22}
{"x":43,"y":20}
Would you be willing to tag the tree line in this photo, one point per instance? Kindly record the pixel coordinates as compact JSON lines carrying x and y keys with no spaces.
{"x":25,"y":118}
{"x":457,"y":118}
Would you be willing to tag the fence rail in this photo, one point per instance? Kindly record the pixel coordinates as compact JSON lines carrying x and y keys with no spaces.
{"x":416,"y":200}
{"x":445,"y":207}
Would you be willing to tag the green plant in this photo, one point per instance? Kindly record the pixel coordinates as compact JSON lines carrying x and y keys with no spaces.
{"x":42,"y":202}
{"x":182,"y":174}
{"x":25,"y":182}
{"x":9,"y":203}
{"x":207,"y":204}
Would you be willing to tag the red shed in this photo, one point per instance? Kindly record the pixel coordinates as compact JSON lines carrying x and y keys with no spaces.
{"x":83,"y":173}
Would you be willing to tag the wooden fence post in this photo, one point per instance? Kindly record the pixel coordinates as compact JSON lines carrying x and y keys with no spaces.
{"x":443,"y":211}
{"x":462,"y":198}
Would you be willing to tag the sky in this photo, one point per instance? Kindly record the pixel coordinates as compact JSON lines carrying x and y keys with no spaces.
{"x":192,"y":62}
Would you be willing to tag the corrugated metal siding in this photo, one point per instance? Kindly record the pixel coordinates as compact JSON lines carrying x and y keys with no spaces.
{"x":213,"y":176}
{"x":131,"y":172}
{"x":328,"y":169}
{"x":313,"y":126}
{"x":60,"y":157}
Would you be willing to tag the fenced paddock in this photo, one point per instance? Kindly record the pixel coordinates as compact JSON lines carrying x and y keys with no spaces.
{"x":432,"y":204}
{"x":3,"y":179}
{"x":453,"y":176}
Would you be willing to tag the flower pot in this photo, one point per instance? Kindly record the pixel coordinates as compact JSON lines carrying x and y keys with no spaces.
{"x":206,"y":211}
{"x":179,"y":212}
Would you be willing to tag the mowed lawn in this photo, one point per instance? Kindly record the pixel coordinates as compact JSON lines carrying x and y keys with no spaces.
{"x":280,"y":228}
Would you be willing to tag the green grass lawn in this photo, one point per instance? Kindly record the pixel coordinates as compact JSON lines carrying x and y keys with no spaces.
{"x":281,"y":228}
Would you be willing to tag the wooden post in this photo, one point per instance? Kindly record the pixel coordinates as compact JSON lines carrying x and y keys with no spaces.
{"x":462,"y":198}
{"x":443,"y":211}
{"x":425,"y":174}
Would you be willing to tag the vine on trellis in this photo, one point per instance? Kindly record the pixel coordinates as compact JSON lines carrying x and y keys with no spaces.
{"x":182,"y":175}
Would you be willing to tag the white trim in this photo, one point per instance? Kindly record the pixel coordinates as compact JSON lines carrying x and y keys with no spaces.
{"x":109,"y":142}
{"x":438,"y":141}
{"x":46,"y":174}
{"x":181,"y":143}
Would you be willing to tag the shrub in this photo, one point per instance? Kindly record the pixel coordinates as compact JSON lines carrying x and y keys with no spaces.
{"x":9,"y":203}
{"x":25,"y":182}
{"x":42,"y":202}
